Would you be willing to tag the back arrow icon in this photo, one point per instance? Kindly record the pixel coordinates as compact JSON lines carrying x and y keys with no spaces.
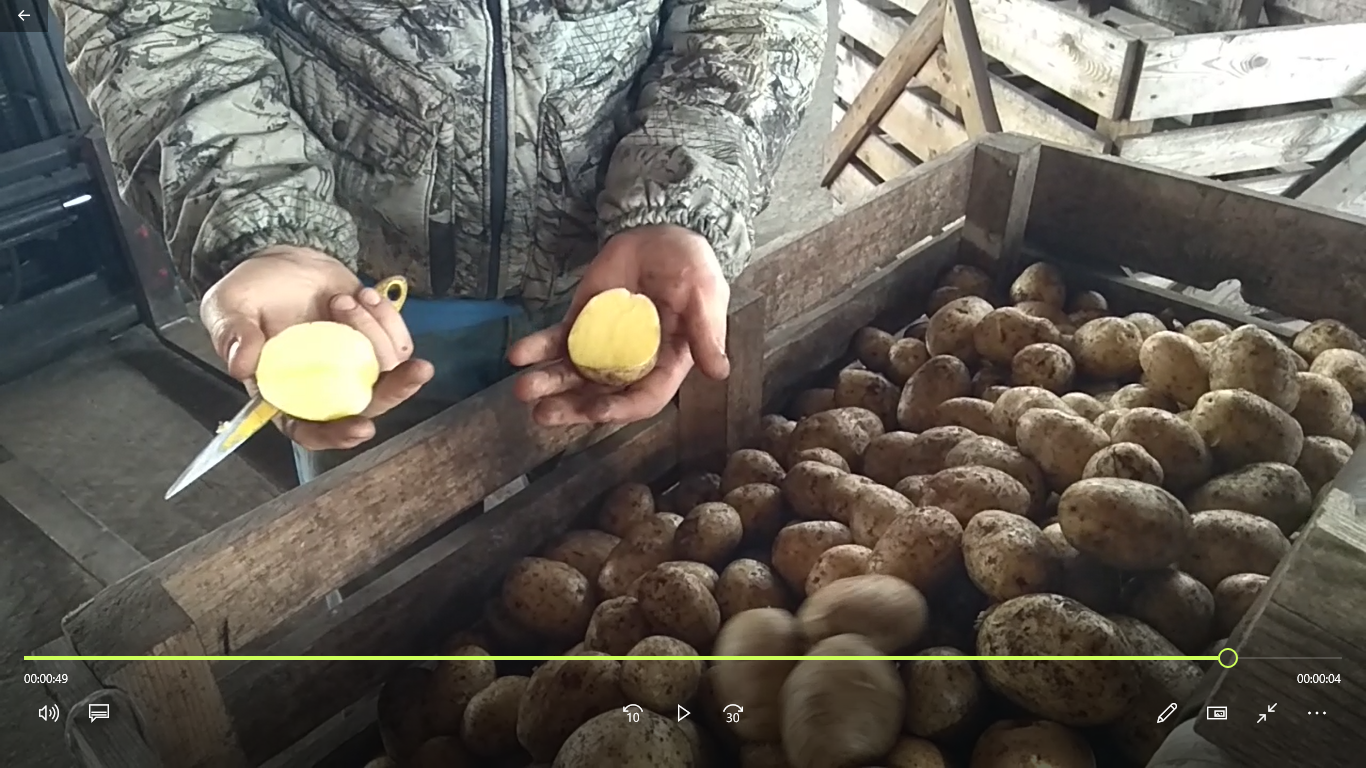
{"x":23,"y":15}
{"x":682,"y":713}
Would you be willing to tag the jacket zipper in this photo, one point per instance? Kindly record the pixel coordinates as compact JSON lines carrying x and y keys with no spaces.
{"x":498,"y":152}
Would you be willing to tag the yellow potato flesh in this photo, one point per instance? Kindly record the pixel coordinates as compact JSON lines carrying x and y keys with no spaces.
{"x":318,"y":371}
{"x":615,"y":338}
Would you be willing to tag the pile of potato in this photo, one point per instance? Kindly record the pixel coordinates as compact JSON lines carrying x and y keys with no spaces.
{"x":1016,"y":475}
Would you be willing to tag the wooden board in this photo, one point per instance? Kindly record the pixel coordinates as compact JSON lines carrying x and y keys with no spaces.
{"x":1245,"y":146}
{"x":1320,"y":10}
{"x":1271,"y":184}
{"x":1195,"y":74}
{"x":883,"y":158}
{"x":925,"y":130}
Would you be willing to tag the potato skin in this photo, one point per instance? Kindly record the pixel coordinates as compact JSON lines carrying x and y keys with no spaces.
{"x":808,"y":488}
{"x":998,"y":454}
{"x":1175,"y":365}
{"x":1322,"y":335}
{"x":1176,"y":605}
{"x":549,"y":597}
{"x":1041,"y":282}
{"x":608,"y":739}
{"x":1251,"y":358}
{"x":905,"y":358}
{"x":885,"y":611}
{"x":583,"y":550}
{"x":971,"y":413}
{"x":843,"y":430}
{"x":841,"y":712}
{"x":1007,"y":555}
{"x":1107,"y":348}
{"x":898,"y":455}
{"x":756,"y":685}
{"x":941,"y":378}
{"x":1044,"y":365}
{"x":1084,"y":405}
{"x":872,"y":347}
{"x":625,"y":506}
{"x":799,"y":545}
{"x":1076,"y":693}
{"x":1348,"y":367}
{"x":648,"y":544}
{"x":617,"y":625}
{"x":943,"y":696}
{"x":750,"y":465}
{"x":678,"y":605}
{"x":1321,"y":459}
{"x":1124,"y":523}
{"x":1224,"y":542}
{"x":1233,"y":597}
{"x":952,"y":327}
{"x":1207,"y":330}
{"x":1178,"y":447}
{"x":563,"y":695}
{"x":873,"y":508}
{"x":489,"y":726}
{"x":1002,"y":333}
{"x":1011,"y":743}
{"x":837,"y":563}
{"x":1139,"y":396}
{"x":865,"y":389}
{"x":922,"y":547}
{"x":1124,"y":460}
{"x":661,"y":685}
{"x":965,"y":491}
{"x":709,"y":533}
{"x":746,"y":584}
{"x":1060,"y":443}
{"x":1271,"y":490}
{"x":1147,"y":324}
{"x":1082,"y":577}
{"x":761,"y":508}
{"x":1015,"y":402}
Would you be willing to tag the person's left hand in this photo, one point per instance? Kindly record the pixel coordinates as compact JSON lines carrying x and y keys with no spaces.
{"x":678,"y":270}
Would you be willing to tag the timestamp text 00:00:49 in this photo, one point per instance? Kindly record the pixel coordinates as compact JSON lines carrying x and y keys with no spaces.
{"x":45,"y":679}
{"x":1318,"y":678}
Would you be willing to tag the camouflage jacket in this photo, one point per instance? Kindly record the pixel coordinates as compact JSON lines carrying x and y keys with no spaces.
{"x":482,"y":148}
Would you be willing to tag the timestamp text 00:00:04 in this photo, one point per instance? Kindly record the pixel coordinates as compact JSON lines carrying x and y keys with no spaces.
{"x":1318,"y":678}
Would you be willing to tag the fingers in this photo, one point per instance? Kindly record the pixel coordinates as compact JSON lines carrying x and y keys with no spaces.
{"x":554,"y":379}
{"x":641,"y":400}
{"x":237,"y":339}
{"x":706,"y":327}
{"x":540,"y":347}
{"x":389,"y":319}
{"x":393,"y":388}
{"x":398,"y":385}
{"x":347,"y":309}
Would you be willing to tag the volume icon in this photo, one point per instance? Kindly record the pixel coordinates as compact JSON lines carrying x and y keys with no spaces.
{"x":49,"y":713}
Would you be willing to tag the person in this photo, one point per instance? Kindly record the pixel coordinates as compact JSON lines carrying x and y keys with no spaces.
{"x":509,"y":158}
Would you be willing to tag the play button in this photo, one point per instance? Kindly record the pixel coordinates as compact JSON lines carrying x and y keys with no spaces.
{"x":682,"y":713}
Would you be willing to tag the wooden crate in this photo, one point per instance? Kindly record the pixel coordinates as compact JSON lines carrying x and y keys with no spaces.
{"x":1271,"y":108}
{"x":248,"y":588}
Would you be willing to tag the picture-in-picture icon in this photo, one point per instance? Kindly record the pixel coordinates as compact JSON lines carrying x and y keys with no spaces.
{"x":1216,"y":713}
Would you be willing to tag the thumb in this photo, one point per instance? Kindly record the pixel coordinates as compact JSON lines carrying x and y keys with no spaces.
{"x":238,"y":340}
{"x":706,"y":329}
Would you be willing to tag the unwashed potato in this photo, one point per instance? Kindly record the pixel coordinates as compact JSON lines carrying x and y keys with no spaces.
{"x":910,"y":752}
{"x":1015,"y":402}
{"x":1044,"y":365}
{"x":750,"y":465}
{"x":747,"y":584}
{"x":939,"y":298}
{"x":761,"y":509}
{"x":1060,"y":443}
{"x":943,"y":696}
{"x":709,"y":533}
{"x":1003,"y":332}
{"x":645,"y":546}
{"x":1124,"y":460}
{"x":704,"y":574}
{"x":1321,"y":459}
{"x":1082,"y":577}
{"x":1176,"y":605}
{"x":965,"y":491}
{"x":403,"y":712}
{"x":1026,"y":743}
{"x":1177,"y":446}
{"x":624,"y":507}
{"x":1007,"y":555}
{"x":905,"y":358}
{"x":774,"y":431}
{"x":942,"y":377}
{"x":846,"y":494}
{"x":1107,"y":348}
{"x":885,"y":611}
{"x":873,"y":507}
{"x":1137,"y":735}
{"x":1224,"y":542}
{"x":913,"y":487}
{"x":1139,"y":396}
{"x":1147,"y":324}
{"x":562,"y":695}
{"x":617,"y":625}
{"x":873,"y":347}
{"x":1051,"y":313}
{"x":1108,"y":419}
{"x":897,"y":455}
{"x":837,"y":563}
{"x":661,"y":685}
{"x":987,"y":379}
{"x":756,"y":685}
{"x":1208,"y":330}
{"x":693,"y":489}
{"x":845,"y":431}
{"x":970,"y":280}
{"x":678,"y":605}
{"x":1348,"y":367}
{"x":971,"y":413}
{"x":1271,"y":490}
{"x":1322,"y":335}
{"x":549,"y":597}
{"x":585,"y":551}
{"x":611,"y":739}
{"x":998,"y":454}
{"x":1084,"y":405}
{"x":811,"y":401}
{"x":1124,"y":523}
{"x":868,"y":390}
{"x":1324,"y":408}
{"x":489,"y":727}
{"x":921,"y":547}
{"x":1233,"y":597}
{"x":1251,"y":358}
{"x":952,"y":328}
{"x":808,"y":489}
{"x":837,"y":712}
{"x":823,"y":456}
{"x":1175,"y":365}
{"x":1076,"y":693}
{"x":799,"y":545}
{"x":1041,"y":282}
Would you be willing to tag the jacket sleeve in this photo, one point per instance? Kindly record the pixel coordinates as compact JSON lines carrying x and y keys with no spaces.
{"x":727,"y":90}
{"x":196,"y":111}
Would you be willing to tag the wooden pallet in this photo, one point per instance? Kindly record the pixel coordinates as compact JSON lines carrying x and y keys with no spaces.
{"x":1276,"y":109}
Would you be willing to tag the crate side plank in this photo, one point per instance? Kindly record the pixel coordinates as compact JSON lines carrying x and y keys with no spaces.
{"x":1322,"y":10}
{"x":1089,"y":208}
{"x":999,"y":200}
{"x":717,"y":418}
{"x":1245,"y":146}
{"x":1020,"y":112}
{"x":1197,"y":74}
{"x":276,"y":703}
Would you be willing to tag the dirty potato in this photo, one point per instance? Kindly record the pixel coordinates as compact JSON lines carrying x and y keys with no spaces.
{"x":610,"y":739}
{"x":489,"y":726}
{"x":616,"y":626}
{"x":941,"y":377}
{"x":750,"y":465}
{"x":873,"y":347}
{"x":624,"y":507}
{"x":1007,"y":555}
{"x":1139,"y":396}
{"x":1176,"y":604}
{"x":709,"y":534}
{"x":756,"y":685}
{"x":952,"y":327}
{"x":943,"y":696}
{"x":1137,"y":735}
{"x":678,"y":605}
{"x":761,"y":509}
{"x":1233,"y":598}
{"x":868,"y":390}
{"x":823,"y":456}
{"x":1014,"y":402}
{"x":1107,"y":349}
{"x":968,"y":412}
{"x":969,"y":279}
{"x":549,"y":597}
{"x":965,"y":491}
{"x":584,"y":550}
{"x":774,"y":431}
{"x":1224,"y":542}
{"x":905,"y":358}
{"x":648,"y":544}
{"x":1251,"y":358}
{"x":808,"y":488}
{"x":837,"y":563}
{"x":1041,"y":282}
{"x":1324,"y":407}
{"x":1175,"y":365}
{"x":1082,"y":577}
{"x":799,"y":545}
{"x":1003,"y":332}
{"x":1060,"y":443}
{"x":562,"y":695}
{"x":1177,"y":446}
{"x":1270,"y":490}
{"x":922,"y":454}
{"x":1321,"y":459}
{"x":1208,"y":330}
{"x":845,"y":431}
{"x":1044,"y":365}
{"x":998,"y":454}
{"x":1012,"y":743}
{"x":872,"y":508}
{"x":1075,"y":693}
{"x":1124,"y":460}
{"x":1147,"y":324}
{"x":1347,"y":367}
{"x":841,"y":712}
{"x":657,"y":684}
{"x":746,"y":584}
{"x":922,"y":547}
{"x":1084,"y":405}
{"x":886,"y":611}
{"x":1124,"y":523}
{"x":1323,"y":335}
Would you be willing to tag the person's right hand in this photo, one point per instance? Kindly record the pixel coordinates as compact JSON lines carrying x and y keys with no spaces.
{"x":285,"y":286}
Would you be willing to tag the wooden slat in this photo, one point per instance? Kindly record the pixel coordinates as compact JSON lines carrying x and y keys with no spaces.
{"x":1183,"y":16}
{"x":1245,"y":146}
{"x":882,"y":158}
{"x":1322,"y":10}
{"x":717,"y":418}
{"x":924,"y":129}
{"x":1340,"y":183}
{"x":1273,"y":184}
{"x":855,"y":183}
{"x":275,"y":703}
{"x":963,"y":48}
{"x":882,"y":89}
{"x":1095,"y":209}
{"x":1082,"y":59}
{"x":1193,"y":74}
{"x":1019,"y":111}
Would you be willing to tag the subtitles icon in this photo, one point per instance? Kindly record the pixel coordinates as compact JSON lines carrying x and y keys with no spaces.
{"x":1216,"y":713}
{"x":98,"y":712}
